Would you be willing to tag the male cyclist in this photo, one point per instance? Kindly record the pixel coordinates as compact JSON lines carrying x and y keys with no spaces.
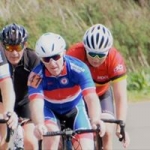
{"x":58,"y":84}
{"x":8,"y":98}
{"x":106,"y":65}
{"x":21,"y":61}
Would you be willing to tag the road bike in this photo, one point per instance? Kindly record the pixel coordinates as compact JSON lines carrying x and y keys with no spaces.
{"x":8,"y":130}
{"x":98,"y":139}
{"x":68,"y":134}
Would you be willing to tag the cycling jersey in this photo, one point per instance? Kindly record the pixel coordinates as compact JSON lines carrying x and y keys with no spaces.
{"x":61,"y":93}
{"x":112,"y":69}
{"x":4,"y":68}
{"x":19,"y":76}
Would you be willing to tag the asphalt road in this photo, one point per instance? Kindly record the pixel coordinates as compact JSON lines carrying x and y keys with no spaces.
{"x":138,"y":127}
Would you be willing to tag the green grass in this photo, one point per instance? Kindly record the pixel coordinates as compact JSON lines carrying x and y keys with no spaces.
{"x":139,"y":85}
{"x":127,"y":20}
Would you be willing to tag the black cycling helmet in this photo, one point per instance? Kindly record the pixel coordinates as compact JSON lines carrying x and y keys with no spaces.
{"x":13,"y":34}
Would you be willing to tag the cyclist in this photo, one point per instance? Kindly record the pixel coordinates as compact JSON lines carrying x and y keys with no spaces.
{"x":107,"y":68}
{"x":21,"y":60}
{"x":58,"y":84}
{"x":8,"y":97}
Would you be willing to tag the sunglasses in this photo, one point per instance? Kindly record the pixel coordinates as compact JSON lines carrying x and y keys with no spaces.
{"x":12,"y":48}
{"x":55,"y":57}
{"x":96,"y":55}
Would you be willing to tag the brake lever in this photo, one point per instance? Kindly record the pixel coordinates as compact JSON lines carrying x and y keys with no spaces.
{"x":122,"y":131}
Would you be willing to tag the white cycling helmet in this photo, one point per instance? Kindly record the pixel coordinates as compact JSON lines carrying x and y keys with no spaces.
{"x":49,"y":44}
{"x":98,"y":39}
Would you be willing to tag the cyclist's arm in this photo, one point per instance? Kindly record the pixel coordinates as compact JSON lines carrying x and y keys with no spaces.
{"x":35,"y":95}
{"x":36,"y":108}
{"x":120,"y":96}
{"x":6,"y":85}
{"x":94,"y":109}
{"x":8,"y":95}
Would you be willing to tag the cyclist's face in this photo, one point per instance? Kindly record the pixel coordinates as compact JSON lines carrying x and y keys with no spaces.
{"x":55,"y":66}
{"x":14,"y":53}
{"x":95,"y":61}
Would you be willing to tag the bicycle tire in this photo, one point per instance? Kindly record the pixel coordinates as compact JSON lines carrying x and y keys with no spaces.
{"x":67,"y":144}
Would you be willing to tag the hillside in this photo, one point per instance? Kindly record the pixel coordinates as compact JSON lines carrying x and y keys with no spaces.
{"x":128,"y":20}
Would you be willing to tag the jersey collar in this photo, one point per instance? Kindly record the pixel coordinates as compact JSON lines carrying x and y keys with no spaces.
{"x":63,"y":72}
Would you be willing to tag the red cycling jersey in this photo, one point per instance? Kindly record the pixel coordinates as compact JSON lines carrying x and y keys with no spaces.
{"x":112,"y":69}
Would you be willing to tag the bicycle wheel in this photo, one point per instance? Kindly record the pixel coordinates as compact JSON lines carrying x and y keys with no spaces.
{"x":67,"y":143}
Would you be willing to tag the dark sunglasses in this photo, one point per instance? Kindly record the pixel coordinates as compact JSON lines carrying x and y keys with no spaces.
{"x":55,"y":57}
{"x":12,"y":48}
{"x":96,"y":54}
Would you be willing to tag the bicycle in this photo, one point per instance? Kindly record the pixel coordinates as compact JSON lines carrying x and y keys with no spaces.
{"x":67,"y":135}
{"x":98,"y":139}
{"x":19,"y":139}
{"x":9,"y":131}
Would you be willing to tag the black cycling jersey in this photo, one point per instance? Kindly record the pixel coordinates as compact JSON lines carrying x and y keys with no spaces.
{"x":20,"y":75}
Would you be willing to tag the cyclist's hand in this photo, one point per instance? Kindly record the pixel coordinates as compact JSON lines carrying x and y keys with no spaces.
{"x":39,"y":130}
{"x":12,"y":119}
{"x":126,"y":141}
{"x":23,"y":121}
{"x":102,"y":127}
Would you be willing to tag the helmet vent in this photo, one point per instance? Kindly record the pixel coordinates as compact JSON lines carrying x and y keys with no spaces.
{"x":106,"y":43}
{"x":53,"y":47}
{"x":92,"y":29}
{"x":92,"y":41}
{"x":101,"y":43}
{"x":97,"y":38}
{"x":87,"y":41}
{"x":42,"y":49}
{"x":104,"y":30}
{"x":98,"y":27}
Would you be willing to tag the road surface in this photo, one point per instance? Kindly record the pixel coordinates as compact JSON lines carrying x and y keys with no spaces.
{"x":138,"y":127}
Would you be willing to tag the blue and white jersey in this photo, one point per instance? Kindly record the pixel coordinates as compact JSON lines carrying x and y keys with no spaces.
{"x":61,"y":93}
